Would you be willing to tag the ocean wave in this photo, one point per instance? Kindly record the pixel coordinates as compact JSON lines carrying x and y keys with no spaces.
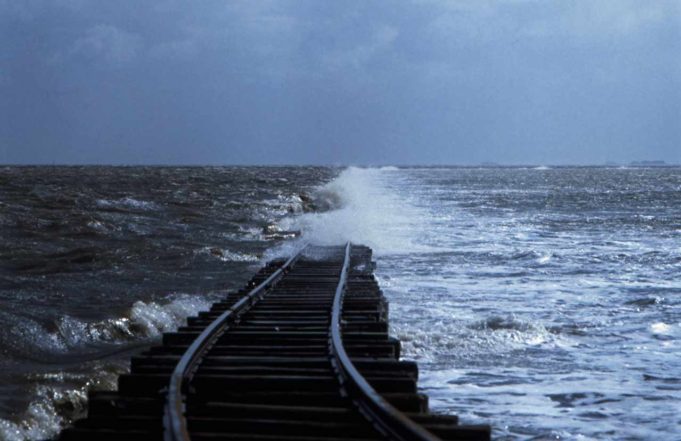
{"x":126,"y":203}
{"x":281,"y":205}
{"x":358,"y":206}
{"x":144,"y":320}
{"x":317,"y":200}
{"x":100,"y":227}
{"x":26,"y":338}
{"x":274,"y":232}
{"x":496,"y":335}
{"x":321,"y":200}
{"x":227,"y":255}
{"x":60,"y":397}
{"x":150,"y":319}
{"x":51,"y":409}
{"x":310,"y":201}
{"x":508,"y":322}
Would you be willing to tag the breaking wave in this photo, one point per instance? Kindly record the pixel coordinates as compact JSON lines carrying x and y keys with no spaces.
{"x":126,"y":203}
{"x":143,"y":320}
{"x":51,"y":409}
{"x":226,"y":255}
{"x":60,"y":397}
{"x":359,"y":206}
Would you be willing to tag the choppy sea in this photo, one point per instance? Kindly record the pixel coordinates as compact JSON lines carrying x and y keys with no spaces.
{"x":544,"y":301}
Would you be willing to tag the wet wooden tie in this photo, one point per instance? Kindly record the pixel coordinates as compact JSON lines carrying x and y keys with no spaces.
{"x":265,"y":364}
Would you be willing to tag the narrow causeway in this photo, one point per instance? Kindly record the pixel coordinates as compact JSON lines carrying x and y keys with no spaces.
{"x":302,"y":352}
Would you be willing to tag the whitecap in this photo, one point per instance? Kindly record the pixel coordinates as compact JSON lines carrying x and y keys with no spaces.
{"x":42,"y":419}
{"x":660,"y":328}
{"x":454,"y":338}
{"x":58,"y":398}
{"x":126,"y":202}
{"x":142,"y":321}
{"x":227,"y":255}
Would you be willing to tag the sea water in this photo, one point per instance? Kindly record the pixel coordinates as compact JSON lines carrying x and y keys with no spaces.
{"x":544,"y":301}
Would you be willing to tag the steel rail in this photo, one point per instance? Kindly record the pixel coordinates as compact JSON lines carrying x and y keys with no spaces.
{"x":174,"y":419}
{"x":388,"y":420}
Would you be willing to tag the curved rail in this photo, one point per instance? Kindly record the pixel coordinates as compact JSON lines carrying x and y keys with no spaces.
{"x":174,"y":420}
{"x":384,"y":416}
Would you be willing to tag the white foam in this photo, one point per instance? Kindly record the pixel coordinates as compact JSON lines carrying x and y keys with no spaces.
{"x":155,"y":318}
{"x":463,"y":338}
{"x":281,"y":205}
{"x":660,"y":328}
{"x":142,"y":321}
{"x":368,"y":212}
{"x":227,"y":255}
{"x":127,"y":202}
{"x":42,"y":420}
{"x":56,"y":402}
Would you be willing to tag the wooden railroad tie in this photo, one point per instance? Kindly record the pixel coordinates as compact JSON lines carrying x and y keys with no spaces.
{"x":301,"y":353}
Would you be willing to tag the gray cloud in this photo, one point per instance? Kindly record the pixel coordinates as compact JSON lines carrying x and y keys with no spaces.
{"x":419,"y":81}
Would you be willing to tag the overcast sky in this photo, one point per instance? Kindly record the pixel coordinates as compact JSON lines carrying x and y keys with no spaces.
{"x":340,"y":82}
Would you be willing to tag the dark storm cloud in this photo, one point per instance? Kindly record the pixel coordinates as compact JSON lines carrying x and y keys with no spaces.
{"x":340,"y":82}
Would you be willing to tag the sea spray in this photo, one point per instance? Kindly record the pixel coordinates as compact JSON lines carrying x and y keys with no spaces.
{"x":362,"y":210}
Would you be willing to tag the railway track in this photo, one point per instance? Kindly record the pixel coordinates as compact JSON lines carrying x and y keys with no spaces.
{"x":302,"y":353}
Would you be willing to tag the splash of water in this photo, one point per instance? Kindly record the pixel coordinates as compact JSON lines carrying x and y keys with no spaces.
{"x":364,"y":209}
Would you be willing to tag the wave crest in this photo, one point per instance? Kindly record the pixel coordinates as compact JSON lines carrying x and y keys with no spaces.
{"x":126,"y":203}
{"x":227,"y":255}
{"x":359,"y":206}
{"x":60,"y":397}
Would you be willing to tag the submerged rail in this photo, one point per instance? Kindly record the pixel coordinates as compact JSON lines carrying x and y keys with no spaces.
{"x":174,"y":420}
{"x":385,"y":417}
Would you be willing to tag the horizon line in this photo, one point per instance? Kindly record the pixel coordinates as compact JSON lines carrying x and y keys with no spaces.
{"x":640,"y":164}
